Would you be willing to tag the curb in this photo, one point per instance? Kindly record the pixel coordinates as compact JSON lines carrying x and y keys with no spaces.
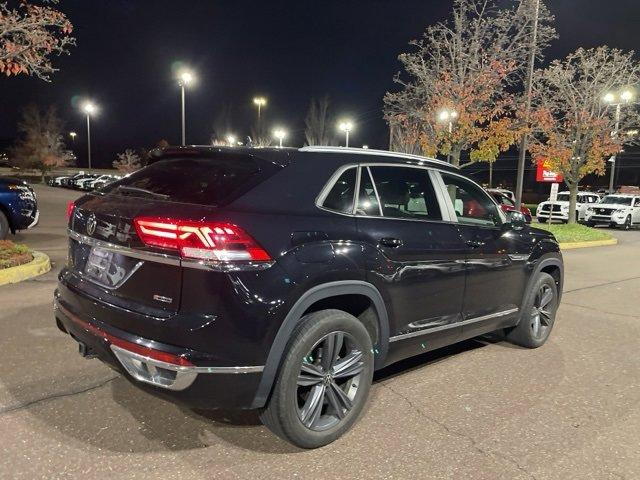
{"x":39,"y":265}
{"x":594,"y":243}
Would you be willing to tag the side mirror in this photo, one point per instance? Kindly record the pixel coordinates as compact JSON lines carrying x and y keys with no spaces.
{"x":516,"y":220}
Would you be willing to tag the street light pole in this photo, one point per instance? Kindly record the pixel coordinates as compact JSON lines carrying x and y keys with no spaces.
{"x":184,"y":135}
{"x":89,"y":108}
{"x":528,"y":90}
{"x":448,"y":116}
{"x":616,"y":100}
{"x":89,"y":140}
{"x":613,"y":157}
{"x":184,"y":78}
{"x":346,"y":126}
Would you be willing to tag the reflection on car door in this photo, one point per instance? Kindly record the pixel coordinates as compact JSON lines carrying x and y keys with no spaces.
{"x":411,"y":253}
{"x":496,"y":263}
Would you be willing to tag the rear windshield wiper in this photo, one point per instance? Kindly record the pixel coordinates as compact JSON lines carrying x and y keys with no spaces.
{"x":127,"y":188}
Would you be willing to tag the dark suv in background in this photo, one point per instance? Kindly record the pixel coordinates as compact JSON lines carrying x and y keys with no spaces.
{"x":18,"y":206}
{"x":281,"y":279}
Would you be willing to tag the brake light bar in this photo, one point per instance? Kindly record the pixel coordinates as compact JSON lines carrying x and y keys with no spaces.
{"x":70,"y":206}
{"x":211,"y":241}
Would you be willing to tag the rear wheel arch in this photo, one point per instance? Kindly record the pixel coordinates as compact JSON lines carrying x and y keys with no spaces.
{"x":328,"y":296}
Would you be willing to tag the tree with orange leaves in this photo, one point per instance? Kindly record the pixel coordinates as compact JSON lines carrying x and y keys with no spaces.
{"x":468,"y":66}
{"x":573,"y":127}
{"x":30,"y":35}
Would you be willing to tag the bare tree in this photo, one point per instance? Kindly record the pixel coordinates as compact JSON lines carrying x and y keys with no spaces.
{"x":316,"y":130}
{"x":128,"y":161}
{"x":41,"y":143}
{"x":469,"y":66}
{"x":30,"y":35}
{"x":573,"y":127}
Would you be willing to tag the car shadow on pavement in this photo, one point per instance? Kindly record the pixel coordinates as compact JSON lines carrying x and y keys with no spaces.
{"x":116,"y":416}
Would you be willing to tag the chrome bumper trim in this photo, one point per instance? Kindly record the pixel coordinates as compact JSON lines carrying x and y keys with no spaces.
{"x":167,"y":375}
{"x":129,"y":252}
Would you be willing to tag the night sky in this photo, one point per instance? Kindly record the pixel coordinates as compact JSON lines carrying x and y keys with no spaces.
{"x":287,"y":51}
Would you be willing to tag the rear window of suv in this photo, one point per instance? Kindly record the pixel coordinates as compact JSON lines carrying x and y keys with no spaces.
{"x":213,"y":181}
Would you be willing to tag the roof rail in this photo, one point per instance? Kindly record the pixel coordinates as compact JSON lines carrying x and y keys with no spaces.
{"x":379,"y":153}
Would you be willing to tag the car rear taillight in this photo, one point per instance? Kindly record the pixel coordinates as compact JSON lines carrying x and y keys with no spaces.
{"x":70,"y":207}
{"x":213,"y":241}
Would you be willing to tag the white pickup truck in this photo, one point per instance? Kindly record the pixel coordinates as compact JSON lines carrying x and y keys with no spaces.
{"x":559,"y":210}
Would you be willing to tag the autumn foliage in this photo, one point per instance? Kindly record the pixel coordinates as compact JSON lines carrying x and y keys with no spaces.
{"x":30,"y":35}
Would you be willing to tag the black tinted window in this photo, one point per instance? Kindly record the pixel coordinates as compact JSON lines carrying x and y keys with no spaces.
{"x":471,"y":203}
{"x":406,"y":193}
{"x":340,"y":197}
{"x":206,"y":181}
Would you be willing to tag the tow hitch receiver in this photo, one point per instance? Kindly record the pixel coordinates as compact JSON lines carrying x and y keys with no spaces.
{"x":85,"y":351}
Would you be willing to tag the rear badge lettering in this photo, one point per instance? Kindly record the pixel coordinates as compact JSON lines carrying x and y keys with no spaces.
{"x":162,"y":299}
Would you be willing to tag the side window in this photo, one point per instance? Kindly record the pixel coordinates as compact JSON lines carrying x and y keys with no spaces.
{"x":472,"y":205}
{"x":637,"y":202}
{"x":367,"y":197}
{"x":406,"y":192}
{"x":340,"y":197}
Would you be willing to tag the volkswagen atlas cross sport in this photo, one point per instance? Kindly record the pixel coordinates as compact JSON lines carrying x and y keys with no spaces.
{"x":281,"y":279}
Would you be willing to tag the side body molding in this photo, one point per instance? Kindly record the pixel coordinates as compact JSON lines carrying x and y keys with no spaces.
{"x":292,"y":320}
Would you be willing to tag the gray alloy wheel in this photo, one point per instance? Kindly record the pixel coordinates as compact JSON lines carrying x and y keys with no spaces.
{"x":627,"y":223}
{"x":538,"y":313}
{"x":328,"y":382}
{"x":541,"y":317}
{"x":323,"y":382}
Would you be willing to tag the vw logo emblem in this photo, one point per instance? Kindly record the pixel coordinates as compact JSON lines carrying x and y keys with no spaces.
{"x":91,"y":224}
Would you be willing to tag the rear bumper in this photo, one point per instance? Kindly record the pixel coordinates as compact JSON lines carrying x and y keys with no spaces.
{"x":178,"y":374}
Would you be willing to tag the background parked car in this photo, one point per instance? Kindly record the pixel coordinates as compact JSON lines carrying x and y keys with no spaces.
{"x":507,"y":204}
{"x":18,"y":206}
{"x":620,"y":210}
{"x":559,"y":210}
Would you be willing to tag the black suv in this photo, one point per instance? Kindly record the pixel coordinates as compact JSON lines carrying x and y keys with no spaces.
{"x":281,"y":279}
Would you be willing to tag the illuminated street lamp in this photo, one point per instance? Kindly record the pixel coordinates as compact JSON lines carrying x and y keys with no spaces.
{"x":280,"y":134}
{"x":185,"y":78}
{"x":73,"y":136}
{"x":260,"y":102}
{"x":89,"y":109}
{"x":231,"y":140}
{"x":346,"y":126}
{"x":617,"y":100}
{"x":448,"y":116}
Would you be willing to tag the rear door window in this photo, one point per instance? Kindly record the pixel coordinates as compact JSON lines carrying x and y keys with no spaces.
{"x":215,"y":180}
{"x":406,"y":192}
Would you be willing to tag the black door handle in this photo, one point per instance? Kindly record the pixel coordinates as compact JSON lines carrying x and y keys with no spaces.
{"x":475,"y":243}
{"x":391,"y":242}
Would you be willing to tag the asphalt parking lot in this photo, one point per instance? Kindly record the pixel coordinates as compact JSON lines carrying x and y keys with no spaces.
{"x":480,"y":410}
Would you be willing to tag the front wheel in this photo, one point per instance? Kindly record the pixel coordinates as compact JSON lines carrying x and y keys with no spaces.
{"x":538,"y":314}
{"x":627,"y":223}
{"x":324,"y":380}
{"x":4,"y":226}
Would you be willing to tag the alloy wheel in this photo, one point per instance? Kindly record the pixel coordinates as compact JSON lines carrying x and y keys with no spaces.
{"x":542,"y":313}
{"x":328,"y":381}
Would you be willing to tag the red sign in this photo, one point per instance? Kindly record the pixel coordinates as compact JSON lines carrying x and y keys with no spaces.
{"x":543,"y":174}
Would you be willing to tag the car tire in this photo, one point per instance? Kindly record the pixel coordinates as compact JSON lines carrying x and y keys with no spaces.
{"x":538,"y":313}
{"x":627,"y":223}
{"x":316,"y":399}
{"x":5,"y":228}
